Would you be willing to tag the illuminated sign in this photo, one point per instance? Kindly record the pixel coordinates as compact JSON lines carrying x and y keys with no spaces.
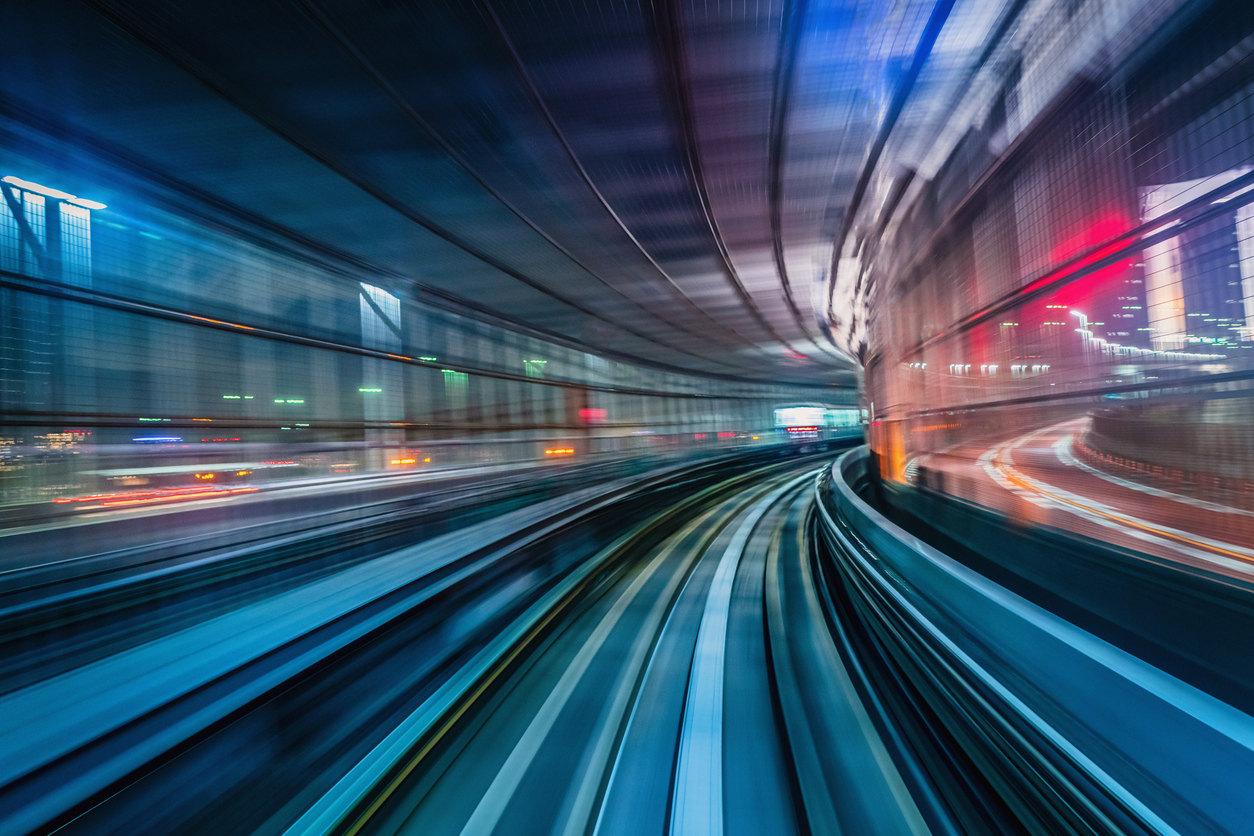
{"x":801,"y":416}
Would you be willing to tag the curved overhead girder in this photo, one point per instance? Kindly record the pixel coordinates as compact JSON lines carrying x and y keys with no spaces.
{"x":534,"y":91}
{"x":669,"y":32}
{"x":205,"y":76}
{"x":377,"y":76}
{"x":786,"y":61}
{"x":672,"y":174}
{"x":931,"y":31}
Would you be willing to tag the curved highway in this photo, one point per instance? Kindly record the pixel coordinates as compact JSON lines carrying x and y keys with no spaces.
{"x":1042,"y":476}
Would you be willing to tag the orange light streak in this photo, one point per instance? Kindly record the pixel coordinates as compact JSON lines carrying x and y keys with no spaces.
{"x":220,"y":322}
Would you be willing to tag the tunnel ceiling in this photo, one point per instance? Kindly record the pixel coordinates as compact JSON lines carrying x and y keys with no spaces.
{"x":664,"y":182}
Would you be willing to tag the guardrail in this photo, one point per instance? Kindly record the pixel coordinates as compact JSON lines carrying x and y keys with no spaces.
{"x":1070,"y":733}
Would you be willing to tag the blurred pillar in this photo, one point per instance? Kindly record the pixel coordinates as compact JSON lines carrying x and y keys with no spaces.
{"x":1245,"y":255}
{"x":382,"y":382}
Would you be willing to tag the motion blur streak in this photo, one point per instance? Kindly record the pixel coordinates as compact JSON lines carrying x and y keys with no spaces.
{"x":613,"y":418}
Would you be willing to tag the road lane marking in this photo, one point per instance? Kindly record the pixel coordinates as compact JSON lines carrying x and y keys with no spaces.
{"x":1064,"y":449}
{"x":1000,"y":459}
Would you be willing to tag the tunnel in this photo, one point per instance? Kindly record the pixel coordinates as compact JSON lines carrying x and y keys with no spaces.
{"x":622,"y":418}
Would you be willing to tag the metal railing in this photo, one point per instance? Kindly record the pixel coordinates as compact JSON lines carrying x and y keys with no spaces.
{"x":1066,"y":732}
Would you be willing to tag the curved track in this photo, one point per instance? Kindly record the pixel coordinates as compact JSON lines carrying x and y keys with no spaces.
{"x":657,"y":704}
{"x":520,"y":677}
{"x":732,"y":648}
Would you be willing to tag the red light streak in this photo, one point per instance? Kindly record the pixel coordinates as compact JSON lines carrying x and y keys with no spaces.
{"x":109,"y":500}
{"x":178,"y":496}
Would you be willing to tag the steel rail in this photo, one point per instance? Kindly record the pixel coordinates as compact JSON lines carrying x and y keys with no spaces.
{"x":128,"y":711}
{"x":349,"y":806}
{"x":697,"y":806}
{"x":492,"y":805}
{"x":846,"y":780}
